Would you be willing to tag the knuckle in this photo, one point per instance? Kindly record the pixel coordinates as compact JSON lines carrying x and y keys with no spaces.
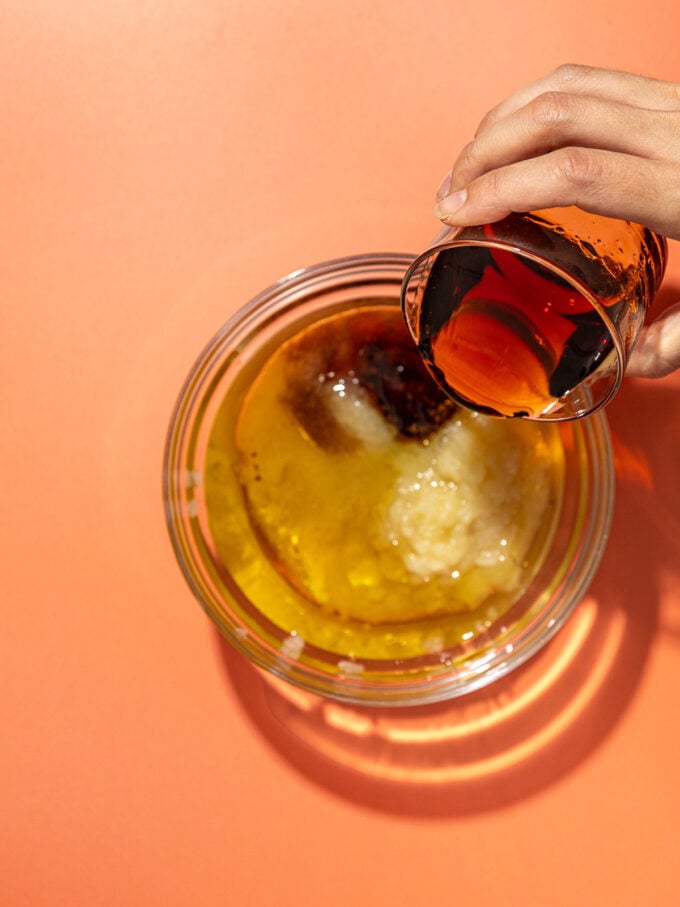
{"x":570,"y":74}
{"x":467,"y":157}
{"x":580,"y":167}
{"x":552,"y":109}
{"x":489,"y":187}
{"x":486,"y":122}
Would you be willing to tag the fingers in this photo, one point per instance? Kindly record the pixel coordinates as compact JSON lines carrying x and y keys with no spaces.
{"x":557,"y":120}
{"x":657,"y":351}
{"x":612,"y":85}
{"x":601,"y":182}
{"x":606,"y":141}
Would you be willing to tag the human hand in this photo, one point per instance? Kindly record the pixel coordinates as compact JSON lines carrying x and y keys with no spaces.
{"x":606,"y":141}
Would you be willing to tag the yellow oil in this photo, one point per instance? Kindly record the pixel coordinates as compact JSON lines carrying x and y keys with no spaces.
{"x":361,"y":537}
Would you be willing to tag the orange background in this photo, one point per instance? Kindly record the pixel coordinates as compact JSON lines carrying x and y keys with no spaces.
{"x":162,"y":162}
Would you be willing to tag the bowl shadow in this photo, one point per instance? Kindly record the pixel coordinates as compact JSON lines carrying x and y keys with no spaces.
{"x":508,"y":742}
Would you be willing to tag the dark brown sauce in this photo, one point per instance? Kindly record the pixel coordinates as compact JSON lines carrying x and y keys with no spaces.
{"x":371,"y":349}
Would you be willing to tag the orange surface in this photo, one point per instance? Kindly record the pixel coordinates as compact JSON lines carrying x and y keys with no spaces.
{"x":161,"y":162}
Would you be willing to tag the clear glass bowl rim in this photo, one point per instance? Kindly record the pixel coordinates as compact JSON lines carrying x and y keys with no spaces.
{"x":285,"y":294}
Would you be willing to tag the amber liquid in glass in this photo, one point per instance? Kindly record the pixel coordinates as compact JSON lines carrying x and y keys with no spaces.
{"x":508,"y":335}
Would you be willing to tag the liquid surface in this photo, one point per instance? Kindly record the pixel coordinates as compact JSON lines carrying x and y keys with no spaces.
{"x":506,"y":334}
{"x":361,"y":510}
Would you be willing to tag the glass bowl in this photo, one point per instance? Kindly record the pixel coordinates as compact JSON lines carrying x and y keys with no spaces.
{"x":235,"y":569}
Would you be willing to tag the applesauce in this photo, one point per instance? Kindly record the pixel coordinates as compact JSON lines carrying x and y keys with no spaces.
{"x":360,"y":510}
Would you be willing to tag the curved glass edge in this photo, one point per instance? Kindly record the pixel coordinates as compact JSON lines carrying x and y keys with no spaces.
{"x":578,"y":402}
{"x":361,"y":690}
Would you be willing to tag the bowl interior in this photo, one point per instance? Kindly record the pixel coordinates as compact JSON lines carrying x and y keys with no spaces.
{"x":231,"y":568}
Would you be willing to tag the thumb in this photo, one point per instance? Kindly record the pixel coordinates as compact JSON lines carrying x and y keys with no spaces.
{"x":657,"y":351}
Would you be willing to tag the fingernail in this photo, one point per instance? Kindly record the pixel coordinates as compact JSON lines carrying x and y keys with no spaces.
{"x":452,"y":203}
{"x":444,"y":187}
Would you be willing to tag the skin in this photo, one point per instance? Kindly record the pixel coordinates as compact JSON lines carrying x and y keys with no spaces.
{"x":606,"y":141}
